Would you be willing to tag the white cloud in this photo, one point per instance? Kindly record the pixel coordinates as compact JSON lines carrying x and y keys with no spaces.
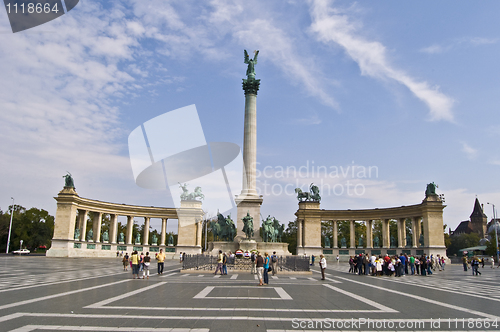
{"x":457,"y":43}
{"x":469,"y":151}
{"x":312,"y":120}
{"x":331,"y":26}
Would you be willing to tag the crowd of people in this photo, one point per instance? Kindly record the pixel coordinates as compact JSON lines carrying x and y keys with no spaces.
{"x":140,"y":263}
{"x":474,"y":262}
{"x":395,"y":265}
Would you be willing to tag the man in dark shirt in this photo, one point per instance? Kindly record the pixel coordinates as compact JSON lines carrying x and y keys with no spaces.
{"x":259,"y":262}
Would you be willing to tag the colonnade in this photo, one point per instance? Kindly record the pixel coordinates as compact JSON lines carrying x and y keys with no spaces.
{"x":427,"y":215}
{"x":73,"y":212}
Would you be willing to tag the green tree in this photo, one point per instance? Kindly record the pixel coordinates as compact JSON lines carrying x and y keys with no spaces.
{"x":290,"y":236}
{"x":491,"y":246}
{"x":462,"y":241}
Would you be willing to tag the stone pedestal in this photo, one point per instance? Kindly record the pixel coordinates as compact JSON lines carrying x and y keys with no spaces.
{"x":248,"y":204}
{"x":189,"y":216}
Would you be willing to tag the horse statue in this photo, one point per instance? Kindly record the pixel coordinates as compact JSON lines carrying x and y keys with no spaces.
{"x":248,"y":226}
{"x":302,"y":194}
{"x":184,"y":195}
{"x":278,"y":230}
{"x":227,"y":229}
{"x":267,"y":229}
{"x":214,"y":225}
{"x":195,"y":194}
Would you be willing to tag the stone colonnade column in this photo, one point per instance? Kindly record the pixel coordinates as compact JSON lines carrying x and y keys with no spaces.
{"x":415,"y":231}
{"x":113,"y":232}
{"x":130,"y":225}
{"x":402,"y":232}
{"x":163,"y":235}
{"x":199,"y":231}
{"x":369,"y":234}
{"x":335,"y":234}
{"x":145,"y":234}
{"x":352,"y":234}
{"x":299,"y":234}
{"x":385,"y":233}
{"x":96,"y":225}
{"x":82,"y":216}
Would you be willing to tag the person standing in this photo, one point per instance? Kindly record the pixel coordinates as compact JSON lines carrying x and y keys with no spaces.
{"x":322,"y":266}
{"x":141,"y":262}
{"x":224,"y":264}
{"x":259,"y":262}
{"x":160,"y":258}
{"x":254,"y":267}
{"x":338,"y":259}
{"x":312,"y":259}
{"x":492,"y":262}
{"x":220,"y":259}
{"x":134,"y":259}
{"x":180,"y":257}
{"x":146,"y":262}
{"x":464,"y":262}
{"x":274,"y":262}
{"x":266,"y":267}
{"x":125,"y":262}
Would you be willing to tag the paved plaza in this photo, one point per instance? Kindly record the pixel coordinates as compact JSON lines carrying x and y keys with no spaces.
{"x":83,"y":294}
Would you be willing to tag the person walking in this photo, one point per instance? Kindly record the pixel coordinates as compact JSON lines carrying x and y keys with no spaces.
{"x":220,"y":259}
{"x":259,"y":262}
{"x":338,"y":259}
{"x":160,"y":260}
{"x":274,"y":262}
{"x":266,"y":267}
{"x":492,"y":262}
{"x":322,"y":266}
{"x":254,"y":267}
{"x":464,"y":262}
{"x":141,"y":262}
{"x":125,"y":262}
{"x":146,"y":262}
{"x":134,"y":259}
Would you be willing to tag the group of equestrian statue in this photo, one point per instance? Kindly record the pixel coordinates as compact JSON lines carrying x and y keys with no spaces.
{"x":224,"y":228}
{"x":312,"y":195}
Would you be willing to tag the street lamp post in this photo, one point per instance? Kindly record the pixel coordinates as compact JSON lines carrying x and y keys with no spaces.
{"x":10,"y":226}
{"x":496,"y":230}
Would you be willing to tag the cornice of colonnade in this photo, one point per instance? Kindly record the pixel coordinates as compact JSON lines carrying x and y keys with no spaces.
{"x":405,"y":211}
{"x":87,"y":204}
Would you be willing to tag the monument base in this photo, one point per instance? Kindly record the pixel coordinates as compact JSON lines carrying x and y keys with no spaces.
{"x":248,"y":204}
{"x":316,"y":251}
{"x":190,"y":250}
{"x":249,"y":245}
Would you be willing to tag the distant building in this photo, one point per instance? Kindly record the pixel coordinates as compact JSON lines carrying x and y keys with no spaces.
{"x":477,"y":223}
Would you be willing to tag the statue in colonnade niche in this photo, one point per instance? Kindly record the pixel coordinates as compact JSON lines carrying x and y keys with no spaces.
{"x":170,"y":240}
{"x":421,"y":240}
{"x":343,"y":243}
{"x":360,"y":241}
{"x":393,"y":242}
{"x":90,"y":235}
{"x":121,"y":238}
{"x":376,"y":242}
{"x":77,"y":234}
{"x":138,"y":238}
{"x":105,"y":236}
{"x":409,"y":241}
{"x":327,"y":242}
{"x":154,"y":239}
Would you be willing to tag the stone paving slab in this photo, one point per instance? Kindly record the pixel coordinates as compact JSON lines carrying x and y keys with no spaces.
{"x":61,"y":294}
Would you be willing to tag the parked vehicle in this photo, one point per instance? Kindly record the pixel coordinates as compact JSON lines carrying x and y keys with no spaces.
{"x":21,"y":252}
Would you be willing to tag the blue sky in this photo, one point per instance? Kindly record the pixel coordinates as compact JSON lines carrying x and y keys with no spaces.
{"x":408,"y":88}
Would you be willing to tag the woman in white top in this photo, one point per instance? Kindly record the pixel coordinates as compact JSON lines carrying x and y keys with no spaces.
{"x":322,"y":265}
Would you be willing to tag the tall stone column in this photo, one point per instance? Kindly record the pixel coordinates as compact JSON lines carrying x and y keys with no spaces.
{"x":432,"y":220}
{"x":369,"y":234}
{"x":385,"y":233}
{"x":335,"y":234}
{"x":82,"y":216}
{"x":189,"y":215}
{"x":402,"y":233}
{"x":199,"y":231}
{"x":96,"y":225}
{"x":163,"y":234}
{"x":130,"y":226}
{"x":64,"y":224}
{"x":415,"y":231}
{"x":299,"y":235}
{"x":249,"y":200}
{"x":352,"y":234}
{"x":113,"y":233}
{"x":145,"y":235}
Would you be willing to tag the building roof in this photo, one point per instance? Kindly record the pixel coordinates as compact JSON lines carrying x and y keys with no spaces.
{"x":478,"y":210}
{"x":474,"y":248}
{"x":463,"y":227}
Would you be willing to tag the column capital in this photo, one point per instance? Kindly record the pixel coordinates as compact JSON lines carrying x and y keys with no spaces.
{"x":251,"y":85}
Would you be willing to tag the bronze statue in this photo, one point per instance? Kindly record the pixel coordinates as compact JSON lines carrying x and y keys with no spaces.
{"x":251,"y":64}
{"x":327,"y":242}
{"x":121,"y":238}
{"x":68,"y":181}
{"x":90,"y":235}
{"x":105,"y":236}
{"x":431,"y":189}
{"x":138,"y":238}
{"x":312,"y":195}
{"x":77,"y":234}
{"x":170,"y":240}
{"x":248,"y":226}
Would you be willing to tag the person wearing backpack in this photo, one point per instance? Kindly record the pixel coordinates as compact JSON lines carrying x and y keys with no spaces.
{"x":224,"y":264}
{"x":274,"y":262}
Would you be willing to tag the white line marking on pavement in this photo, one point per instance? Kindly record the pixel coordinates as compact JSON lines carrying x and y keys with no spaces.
{"x":293,"y":278}
{"x":240,"y":309}
{"x":15,"y":304}
{"x":203,"y":293}
{"x":29,"y":328}
{"x":119,"y":297}
{"x":312,"y":279}
{"x":383,"y":308}
{"x":256,"y":277}
{"x":274,"y":277}
{"x":281,"y":292}
{"x":201,"y":275}
{"x":333,"y":280}
{"x":234,"y":276}
{"x":420,"y":298}
{"x":217,"y":276}
{"x":57,"y":282}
